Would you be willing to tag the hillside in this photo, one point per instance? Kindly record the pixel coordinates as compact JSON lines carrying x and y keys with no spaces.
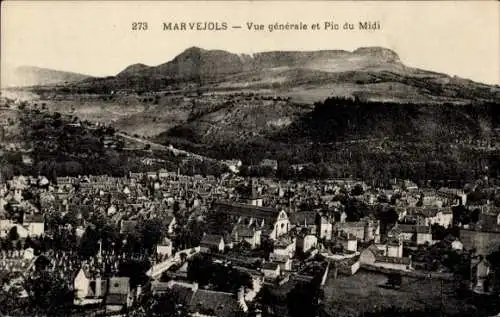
{"x":327,"y":106}
{"x":24,"y":76}
{"x":372,"y":73}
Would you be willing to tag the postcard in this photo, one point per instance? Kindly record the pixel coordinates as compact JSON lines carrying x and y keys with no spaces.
{"x":250,"y":158}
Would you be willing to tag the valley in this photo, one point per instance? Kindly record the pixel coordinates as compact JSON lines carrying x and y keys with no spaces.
{"x":359,"y":113}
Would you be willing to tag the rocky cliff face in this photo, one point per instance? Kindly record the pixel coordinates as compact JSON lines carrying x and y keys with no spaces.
{"x":196,"y":62}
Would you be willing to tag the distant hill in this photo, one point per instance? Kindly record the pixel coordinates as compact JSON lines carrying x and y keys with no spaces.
{"x":24,"y":76}
{"x":373,"y":73}
{"x":197,"y":63}
{"x":133,"y":70}
{"x":339,"y":107}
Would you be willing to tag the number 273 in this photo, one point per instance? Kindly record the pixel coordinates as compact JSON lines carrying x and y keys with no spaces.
{"x":139,"y":26}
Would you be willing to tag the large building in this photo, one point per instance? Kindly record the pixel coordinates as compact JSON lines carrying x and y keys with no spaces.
{"x":272,"y":222}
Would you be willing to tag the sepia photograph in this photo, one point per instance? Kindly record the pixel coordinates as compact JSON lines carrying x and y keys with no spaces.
{"x":250,"y":159}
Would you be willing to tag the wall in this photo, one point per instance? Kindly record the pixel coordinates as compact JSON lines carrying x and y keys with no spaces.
{"x":483,"y":242}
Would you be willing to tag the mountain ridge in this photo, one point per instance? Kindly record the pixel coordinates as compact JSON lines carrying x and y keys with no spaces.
{"x":199,"y":61}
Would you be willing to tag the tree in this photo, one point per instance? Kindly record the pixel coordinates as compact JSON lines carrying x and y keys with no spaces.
{"x":304,"y":300}
{"x":460,"y":214}
{"x":474,"y":215}
{"x":49,"y":294}
{"x":13,"y":235}
{"x":151,"y":233}
{"x":89,"y":244}
{"x":438,"y":232}
{"x":8,"y":306}
{"x":357,"y":190}
{"x":167,"y":304}
{"x":135,"y":270}
{"x":200,"y":270}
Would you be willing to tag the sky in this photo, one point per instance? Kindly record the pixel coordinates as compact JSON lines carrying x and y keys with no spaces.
{"x":457,"y":38}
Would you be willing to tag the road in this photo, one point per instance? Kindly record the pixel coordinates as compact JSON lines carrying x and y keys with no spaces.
{"x":158,"y":146}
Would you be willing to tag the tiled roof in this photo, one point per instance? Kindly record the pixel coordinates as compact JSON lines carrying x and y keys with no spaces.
{"x":246,"y":210}
{"x":412,"y":228}
{"x":303,"y":218}
{"x":373,"y":249}
{"x":34,"y":218}
{"x":128,"y":226}
{"x":211,"y":239}
{"x":270,"y":266}
{"x":116,"y":299}
{"x":184,"y":294}
{"x":243,"y":231}
{"x":119,"y":285}
{"x":388,"y":259}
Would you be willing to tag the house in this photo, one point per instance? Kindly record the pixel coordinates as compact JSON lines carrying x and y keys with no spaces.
{"x":324,"y":227}
{"x":424,"y":235}
{"x":233,"y":165}
{"x":372,"y":256}
{"x":119,"y":295}
{"x":365,"y":230}
{"x":128,"y":226}
{"x":253,"y":197}
{"x":394,"y":249}
{"x":409,"y":185}
{"x":306,"y":242}
{"x":343,"y":217}
{"x":284,"y":261}
{"x":88,"y":286}
{"x":136,"y":175}
{"x":35,"y":224}
{"x":457,"y":245}
{"x":452,"y":242}
{"x":163,"y":173}
{"x":349,"y":243}
{"x":482,"y":270}
{"x":171,"y":223}
{"x":164,"y":248}
{"x":273,"y":164}
{"x":271,"y":270}
{"x":5,"y":223}
{"x":455,"y":196}
{"x":273,"y":223}
{"x":430,"y":198}
{"x":349,"y":266}
{"x":412,"y":233}
{"x":22,"y":232}
{"x":285,"y":246}
{"x":212,"y":242}
{"x":427,"y":216}
{"x":304,"y":219}
{"x":81,"y":284}
{"x":29,"y":254}
{"x":251,"y":236}
{"x":369,"y":255}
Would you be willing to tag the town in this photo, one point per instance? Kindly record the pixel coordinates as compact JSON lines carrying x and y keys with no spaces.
{"x":226,"y":242}
{"x":231,"y":245}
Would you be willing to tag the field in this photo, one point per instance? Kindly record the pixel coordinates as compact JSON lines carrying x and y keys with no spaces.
{"x":351,"y":296}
